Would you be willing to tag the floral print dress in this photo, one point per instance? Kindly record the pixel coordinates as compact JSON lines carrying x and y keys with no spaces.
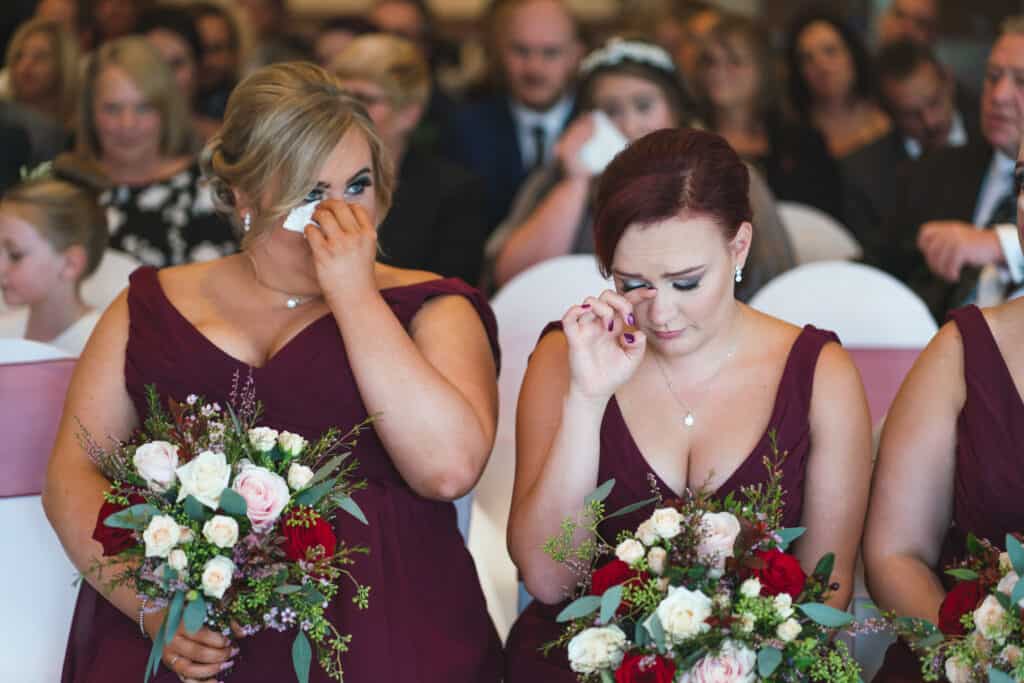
{"x":168,"y":222}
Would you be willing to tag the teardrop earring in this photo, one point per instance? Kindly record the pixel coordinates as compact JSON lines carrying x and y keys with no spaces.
{"x":247,"y":222}
{"x":739,"y":274}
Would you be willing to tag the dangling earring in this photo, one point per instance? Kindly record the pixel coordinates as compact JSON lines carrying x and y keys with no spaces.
{"x":247,"y":222}
{"x":739,"y":274}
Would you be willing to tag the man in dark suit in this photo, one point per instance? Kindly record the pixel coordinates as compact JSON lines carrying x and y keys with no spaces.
{"x":929,"y":111}
{"x":15,"y":154}
{"x":504,"y":136}
{"x":952,"y":236}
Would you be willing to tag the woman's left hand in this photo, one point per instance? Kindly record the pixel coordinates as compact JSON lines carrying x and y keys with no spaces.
{"x":344,"y":248}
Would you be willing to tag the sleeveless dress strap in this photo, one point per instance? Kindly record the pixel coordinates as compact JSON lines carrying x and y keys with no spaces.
{"x":797,"y":382}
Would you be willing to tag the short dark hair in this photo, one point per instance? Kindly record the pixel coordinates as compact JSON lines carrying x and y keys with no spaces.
{"x":177,"y":20}
{"x":901,"y":59}
{"x":664,"y":174}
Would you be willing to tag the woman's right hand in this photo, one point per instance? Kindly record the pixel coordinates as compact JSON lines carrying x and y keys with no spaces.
{"x":567,"y":149}
{"x":194,"y":657}
{"x":603,"y":353}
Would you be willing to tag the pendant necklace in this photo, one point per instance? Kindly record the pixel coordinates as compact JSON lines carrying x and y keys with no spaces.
{"x":689,"y":419}
{"x":292,"y":301}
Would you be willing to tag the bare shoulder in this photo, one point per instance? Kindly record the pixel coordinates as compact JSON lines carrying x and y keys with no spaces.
{"x":389,"y":277}
{"x":187,"y":278}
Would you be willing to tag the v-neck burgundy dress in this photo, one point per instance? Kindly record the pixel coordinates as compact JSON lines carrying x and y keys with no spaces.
{"x":621,"y":459}
{"x":988,"y":480}
{"x":427,"y":621}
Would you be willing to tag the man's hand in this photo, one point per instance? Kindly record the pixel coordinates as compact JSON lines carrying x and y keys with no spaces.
{"x":948,"y":246}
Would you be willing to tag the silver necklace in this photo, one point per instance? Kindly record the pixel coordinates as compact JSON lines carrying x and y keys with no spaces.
{"x":291,"y":300}
{"x":689,"y":419}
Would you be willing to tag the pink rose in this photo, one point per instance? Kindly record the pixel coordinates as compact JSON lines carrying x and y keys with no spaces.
{"x":733,"y":664}
{"x":265,"y":495}
{"x":720,"y":530}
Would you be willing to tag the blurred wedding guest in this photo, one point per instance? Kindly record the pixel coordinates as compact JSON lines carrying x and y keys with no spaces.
{"x":697,"y":18}
{"x":52,"y":236}
{"x":923,"y":99}
{"x":913,"y":20}
{"x":739,"y":99}
{"x":335,"y":35}
{"x":949,"y":466}
{"x":409,"y":19}
{"x":221,"y":56}
{"x":636,"y":86}
{"x":269,"y":26}
{"x":667,"y":382}
{"x":112,"y":19}
{"x":173,"y":32}
{"x":44,"y":70}
{"x":359,"y":338}
{"x":134,"y":123}
{"x":951,"y":235}
{"x":504,"y":136}
{"x":436,"y":222}
{"x":831,"y":83}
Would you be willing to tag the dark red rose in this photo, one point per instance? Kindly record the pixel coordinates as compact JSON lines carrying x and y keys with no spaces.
{"x":114,"y":540}
{"x":310,"y":532}
{"x":964,"y":598}
{"x":612,"y":574}
{"x":781,"y":573}
{"x":645,"y":668}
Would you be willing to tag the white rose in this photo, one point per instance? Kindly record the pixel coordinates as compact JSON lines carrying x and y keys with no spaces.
{"x":957,"y":671}
{"x":155,"y":462}
{"x":217,"y":576}
{"x":162,"y":534}
{"x":1007,"y":583}
{"x":667,"y":522}
{"x":747,"y":622}
{"x":784,"y":605}
{"x":204,"y":477}
{"x":733,"y":664}
{"x":750,"y":588}
{"x":721,"y":601}
{"x":299,"y":476}
{"x":178,"y":560}
{"x":221,"y":531}
{"x":656,"y":559}
{"x":788,"y":630}
{"x":596,"y":649}
{"x":186,"y":536}
{"x":990,"y":619}
{"x":683,"y":613}
{"x":645,"y":532}
{"x":263,"y":439}
{"x":720,"y":530}
{"x":265,"y":493}
{"x":630,"y":551}
{"x":292,"y":444}
{"x":663,"y":584}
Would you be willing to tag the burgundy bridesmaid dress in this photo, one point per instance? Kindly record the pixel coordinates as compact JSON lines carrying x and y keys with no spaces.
{"x":622,"y":460}
{"x":427,"y":621}
{"x":988,"y":481}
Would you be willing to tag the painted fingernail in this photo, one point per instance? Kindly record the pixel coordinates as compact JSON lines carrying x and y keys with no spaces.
{"x":226,"y":665}
{"x":611,"y":325}
{"x":585,"y":306}
{"x":629,"y":338}
{"x":630,"y":319}
{"x":235,"y":651}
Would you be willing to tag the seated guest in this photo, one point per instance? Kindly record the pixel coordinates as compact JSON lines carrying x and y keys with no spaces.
{"x":436,"y":222}
{"x":52,"y":236}
{"x":736,"y":89}
{"x":668,"y":382}
{"x":335,"y":35}
{"x":636,"y":86}
{"x":134,"y":123}
{"x":831,"y":85}
{"x":221,"y":57}
{"x":17,"y":147}
{"x":913,"y":20}
{"x":113,"y":19}
{"x":506,"y":135}
{"x":949,"y":465}
{"x":697,"y":18}
{"x":951,"y":234}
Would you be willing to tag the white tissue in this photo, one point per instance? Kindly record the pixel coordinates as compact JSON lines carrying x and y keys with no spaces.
{"x":603,"y":145}
{"x":301,"y":216}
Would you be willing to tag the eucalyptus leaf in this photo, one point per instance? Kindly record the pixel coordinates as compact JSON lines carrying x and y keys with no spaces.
{"x":288,"y":589}
{"x":580,"y":607}
{"x":607,"y":676}
{"x":768,"y":660}
{"x":173,"y":618}
{"x":232,"y":503}
{"x":326,"y":470}
{"x":1017,"y":594}
{"x":930,"y":640}
{"x":829,"y":617}
{"x":313,"y":596}
{"x":1004,"y":601}
{"x":153,"y":663}
{"x":135,"y":517}
{"x":974,"y":546}
{"x":349,"y":505}
{"x":640,"y":635}
{"x":600,"y":493}
{"x":631,"y":508}
{"x":789,"y":535}
{"x":195,"y":614}
{"x":311,"y":496}
{"x":196,"y":510}
{"x":657,"y":632}
{"x":962,"y":574}
{"x":1016,"y":553}
{"x":823,"y":570}
{"x":610,"y":603}
{"x":997,"y":676}
{"x":693,"y":658}
{"x":302,"y":656}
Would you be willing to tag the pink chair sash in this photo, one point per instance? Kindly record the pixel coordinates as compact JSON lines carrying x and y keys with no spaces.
{"x":882,"y":370}
{"x":31,"y":402}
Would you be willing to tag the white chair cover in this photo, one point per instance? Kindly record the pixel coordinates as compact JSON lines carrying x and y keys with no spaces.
{"x":103,"y":286}
{"x":523,"y":307}
{"x":817,"y":236}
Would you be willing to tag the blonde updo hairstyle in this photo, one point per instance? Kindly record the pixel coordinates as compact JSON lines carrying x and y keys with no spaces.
{"x":393,"y":64}
{"x":281,"y":124}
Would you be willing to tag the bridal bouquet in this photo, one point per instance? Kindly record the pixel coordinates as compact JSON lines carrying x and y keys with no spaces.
{"x":702,"y":591}
{"x":226,"y":523}
{"x":981,"y":623}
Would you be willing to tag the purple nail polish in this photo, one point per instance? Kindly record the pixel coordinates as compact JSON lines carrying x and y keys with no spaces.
{"x":629,"y":338}
{"x":226,"y":665}
{"x":630,"y":319}
{"x":585,"y":306}
{"x":611,"y":325}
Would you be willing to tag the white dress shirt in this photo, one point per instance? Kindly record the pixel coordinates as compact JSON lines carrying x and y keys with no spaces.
{"x":551,"y":121}
{"x":957,"y":138}
{"x":993,"y":279}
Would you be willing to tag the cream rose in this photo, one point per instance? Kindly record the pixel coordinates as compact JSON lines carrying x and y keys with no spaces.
{"x":788,"y":630}
{"x":784,"y":605}
{"x":1007,"y":583}
{"x":990,"y":619}
{"x":1012,"y":654}
{"x":720,"y":530}
{"x":751,"y":588}
{"x":292,"y":444}
{"x":667,"y":522}
{"x":161,"y":535}
{"x":221,"y":531}
{"x":630,"y":551}
{"x":733,"y":664}
{"x":596,"y":649}
{"x":265,"y":493}
{"x":204,"y":477}
{"x":217,"y":576}
{"x":178,"y":560}
{"x":747,"y":622}
{"x":645,"y":532}
{"x":1005,"y":565}
{"x":957,"y":671}
{"x":683,"y":613}
{"x":656,"y":559}
{"x":299,"y":476}
{"x":263,"y":439}
{"x":155,"y":462}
